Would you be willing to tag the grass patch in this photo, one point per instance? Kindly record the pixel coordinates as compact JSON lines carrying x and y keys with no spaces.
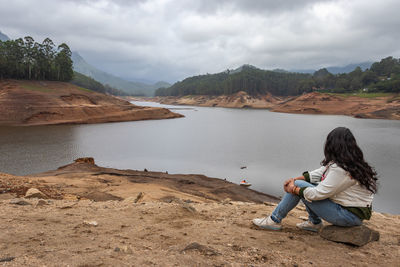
{"x":363,"y":95}
{"x":34,"y":87}
{"x":84,"y":89}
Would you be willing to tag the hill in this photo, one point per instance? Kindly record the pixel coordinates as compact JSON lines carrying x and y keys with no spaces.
{"x":383,"y":76}
{"x":246,"y":78}
{"x":24,"y":102}
{"x":87,"y":82}
{"x":3,"y":37}
{"x":338,"y":69}
{"x":94,"y":216}
{"x":132,"y":88}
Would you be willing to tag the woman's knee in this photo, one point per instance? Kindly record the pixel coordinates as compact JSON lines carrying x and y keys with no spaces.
{"x":302,"y":183}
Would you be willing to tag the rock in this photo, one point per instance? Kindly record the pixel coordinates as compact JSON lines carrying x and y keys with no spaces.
{"x":88,"y":160}
{"x":201,"y":248}
{"x":41,"y":202}
{"x":18,"y":201}
{"x":269,"y":204}
{"x":227,"y":201}
{"x":90,"y":223}
{"x":34,"y":193}
{"x":126,"y":249}
{"x":139,"y":197}
{"x":357,"y":235}
{"x":304,"y":218}
{"x":188,"y":207}
{"x":7,"y":259}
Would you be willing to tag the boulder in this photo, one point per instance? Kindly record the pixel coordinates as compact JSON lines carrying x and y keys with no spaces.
{"x":88,"y":160}
{"x":34,"y":193}
{"x":357,"y":235}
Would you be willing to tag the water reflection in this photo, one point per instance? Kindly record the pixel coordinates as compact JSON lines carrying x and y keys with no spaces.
{"x":26,"y":150}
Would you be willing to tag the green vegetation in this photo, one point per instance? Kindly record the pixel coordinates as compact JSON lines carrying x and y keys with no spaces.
{"x":89,"y":83}
{"x":27,"y":59}
{"x":382,"y":77}
{"x":35,"y":88}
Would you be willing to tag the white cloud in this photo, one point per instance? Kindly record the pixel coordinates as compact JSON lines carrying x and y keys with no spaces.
{"x":172,"y":39}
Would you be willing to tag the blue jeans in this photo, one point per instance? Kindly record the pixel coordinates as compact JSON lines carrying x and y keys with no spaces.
{"x":325,"y":209}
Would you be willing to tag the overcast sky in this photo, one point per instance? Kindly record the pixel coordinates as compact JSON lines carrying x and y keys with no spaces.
{"x":173,"y":39}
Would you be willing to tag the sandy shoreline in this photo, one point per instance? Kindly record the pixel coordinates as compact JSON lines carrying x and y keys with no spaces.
{"x":384,"y":107}
{"x":94,"y":216}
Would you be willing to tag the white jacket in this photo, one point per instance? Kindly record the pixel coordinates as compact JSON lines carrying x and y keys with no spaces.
{"x":338,"y":186}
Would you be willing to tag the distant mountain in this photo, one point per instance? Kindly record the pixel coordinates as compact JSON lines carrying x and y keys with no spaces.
{"x":349,"y":68}
{"x":3,"y":37}
{"x":337,"y":69}
{"x":134,"y":88}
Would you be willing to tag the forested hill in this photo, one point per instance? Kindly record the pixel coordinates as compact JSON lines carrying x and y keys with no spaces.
{"x":383,"y":76}
{"x":30,"y":60}
{"x":247,"y":78}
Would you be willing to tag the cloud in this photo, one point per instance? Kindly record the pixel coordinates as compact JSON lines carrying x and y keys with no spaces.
{"x":172,"y":39}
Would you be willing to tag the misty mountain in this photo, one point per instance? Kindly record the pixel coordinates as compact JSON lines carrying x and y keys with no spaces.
{"x":336,"y":69}
{"x":134,"y":88}
{"x":3,"y":37}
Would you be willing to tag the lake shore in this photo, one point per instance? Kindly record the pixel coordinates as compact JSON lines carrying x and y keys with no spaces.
{"x":93,"y":216}
{"x":381,"y":107}
{"x":27,"y":103}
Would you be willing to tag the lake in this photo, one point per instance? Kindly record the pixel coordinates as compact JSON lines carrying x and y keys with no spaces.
{"x":216,"y":142}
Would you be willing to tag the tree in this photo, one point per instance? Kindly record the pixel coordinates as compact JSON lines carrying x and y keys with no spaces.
{"x":27,"y":59}
{"x":29,"y":54}
{"x":63,"y":63}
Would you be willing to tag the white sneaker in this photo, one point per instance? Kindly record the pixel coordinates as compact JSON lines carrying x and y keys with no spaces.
{"x":267,"y":223}
{"x":309,"y":226}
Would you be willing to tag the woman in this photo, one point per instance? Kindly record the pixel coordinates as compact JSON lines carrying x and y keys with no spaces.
{"x":340,"y":192}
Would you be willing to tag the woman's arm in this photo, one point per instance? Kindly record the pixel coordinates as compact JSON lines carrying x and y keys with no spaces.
{"x":335,"y":182}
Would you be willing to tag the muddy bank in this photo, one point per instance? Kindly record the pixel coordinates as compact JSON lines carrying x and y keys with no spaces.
{"x":24,"y":103}
{"x":385,"y":107}
{"x":94,"y":216}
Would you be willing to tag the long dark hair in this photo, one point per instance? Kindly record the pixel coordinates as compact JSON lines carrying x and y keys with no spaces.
{"x":341,"y":148}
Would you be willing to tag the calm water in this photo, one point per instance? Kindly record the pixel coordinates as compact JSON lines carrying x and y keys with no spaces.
{"x":211,"y":141}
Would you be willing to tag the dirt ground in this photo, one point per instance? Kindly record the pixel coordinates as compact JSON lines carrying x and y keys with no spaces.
{"x":97,"y":216}
{"x":25,"y":103}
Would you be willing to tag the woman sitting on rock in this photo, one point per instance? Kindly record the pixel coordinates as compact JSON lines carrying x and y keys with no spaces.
{"x":340,"y":192}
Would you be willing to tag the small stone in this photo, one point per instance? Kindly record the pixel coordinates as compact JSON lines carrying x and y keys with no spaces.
{"x":18,"y":201}
{"x":7,"y":259}
{"x":41,"y":202}
{"x":127,"y":249}
{"x":90,"y":223}
{"x":357,"y":235}
{"x":304,"y":218}
{"x":117,"y":249}
{"x":34,"y":193}
{"x":227,"y":201}
{"x":188,"y":207}
{"x":139,"y":197}
{"x":269,"y":204}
